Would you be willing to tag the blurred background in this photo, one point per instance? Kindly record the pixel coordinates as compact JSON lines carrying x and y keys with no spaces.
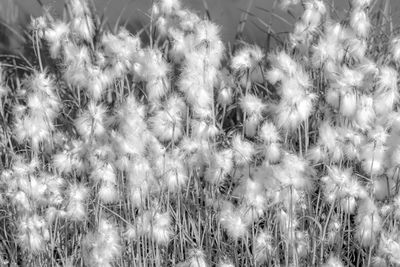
{"x":226,"y":13}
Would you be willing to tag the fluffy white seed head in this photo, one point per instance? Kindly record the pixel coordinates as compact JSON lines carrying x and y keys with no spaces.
{"x":360,"y":23}
{"x":108,"y":192}
{"x":273,"y":152}
{"x":369,"y":223}
{"x":197,"y":258}
{"x":232,"y":221}
{"x":269,"y":133}
{"x":242,"y":150}
{"x":101,"y":247}
{"x":285,"y":4}
{"x":221,"y":163}
{"x":161,"y":228}
{"x":333,"y":261}
{"x":263,"y":247}
{"x":169,"y":6}
{"x":348,"y":103}
{"x":387,"y":79}
{"x":247,"y":58}
{"x":76,"y":208}
{"x":389,"y":246}
{"x":312,"y":15}
{"x":365,"y":112}
{"x":168,"y":123}
{"x":395,"y":48}
{"x":56,"y":35}
{"x":252,"y":105}
{"x":91,"y":123}
{"x":32,"y":233}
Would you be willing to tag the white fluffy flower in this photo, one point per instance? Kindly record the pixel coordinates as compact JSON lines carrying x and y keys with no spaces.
{"x":369,"y":223}
{"x":252,"y":105}
{"x":395,"y":48}
{"x":360,"y":23}
{"x":32,"y":233}
{"x":242,"y":150}
{"x":232,"y":221}
{"x":101,"y":247}
{"x":247,"y":58}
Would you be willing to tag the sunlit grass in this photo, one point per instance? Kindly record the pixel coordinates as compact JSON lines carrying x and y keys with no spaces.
{"x":180,"y":152}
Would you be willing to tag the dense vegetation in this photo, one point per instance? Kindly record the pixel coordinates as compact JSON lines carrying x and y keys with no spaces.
{"x":167,"y":147}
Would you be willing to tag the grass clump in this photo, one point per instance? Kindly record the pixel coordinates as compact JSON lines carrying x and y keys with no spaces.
{"x":180,"y":152}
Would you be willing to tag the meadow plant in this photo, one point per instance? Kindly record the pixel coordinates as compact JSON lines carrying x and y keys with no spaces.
{"x":167,"y":147}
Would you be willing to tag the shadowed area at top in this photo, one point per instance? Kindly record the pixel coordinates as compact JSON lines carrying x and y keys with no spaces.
{"x":226,"y":13}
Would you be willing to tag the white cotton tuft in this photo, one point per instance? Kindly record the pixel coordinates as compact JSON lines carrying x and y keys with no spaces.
{"x":328,"y":136}
{"x":225,"y":263}
{"x":108,"y":192}
{"x":360,"y":23}
{"x":32,"y":233}
{"x":389,"y":246}
{"x":97,"y":81}
{"x":387,"y":79}
{"x":34,"y":122}
{"x":386,"y":94}
{"x":91,"y":123}
{"x":333,"y":261}
{"x":348,"y":103}
{"x":312,"y":15}
{"x":232,"y":221}
{"x":103,"y":246}
{"x":247,"y":58}
{"x":174,"y":174}
{"x":161,"y":228}
{"x":167,"y":124}
{"x":225,"y":96}
{"x":83,"y":27}
{"x":263,"y":247}
{"x":290,"y":113}
{"x":285,"y":4}
{"x":157,"y":88}
{"x":82,"y":24}
{"x":252,"y":105}
{"x":197,"y":258}
{"x":252,"y":194}
{"x":121,"y":50}
{"x":274,"y":75}
{"x":207,"y":44}
{"x":283,"y":62}
{"x":221,"y":163}
{"x":169,"y":6}
{"x":79,"y":7}
{"x":369,"y":223}
{"x":294,"y":171}
{"x":273,"y":152}
{"x":141,"y":182}
{"x":243,"y":150}
{"x":365,"y":112}
{"x":350,"y":77}
{"x":56,"y":36}
{"x":395,"y":48}
{"x":76,"y":209}
{"x":250,"y":125}
{"x":152,"y":65}
{"x":203,"y":129}
{"x":373,"y":159}
{"x":269,"y":133}
{"x":286,"y":224}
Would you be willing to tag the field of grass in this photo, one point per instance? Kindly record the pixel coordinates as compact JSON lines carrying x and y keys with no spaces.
{"x":168,"y":147}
